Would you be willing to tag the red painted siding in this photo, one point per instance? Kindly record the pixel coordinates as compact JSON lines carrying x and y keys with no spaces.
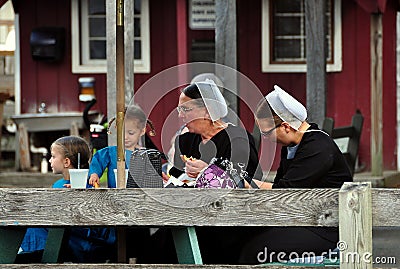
{"x":349,"y":89}
{"x":52,"y":83}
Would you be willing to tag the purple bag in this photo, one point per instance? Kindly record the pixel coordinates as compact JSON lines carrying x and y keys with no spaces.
{"x":214,"y":177}
{"x":220,"y":174}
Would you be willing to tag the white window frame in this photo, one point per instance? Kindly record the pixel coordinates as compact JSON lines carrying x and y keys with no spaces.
{"x":100,"y":66}
{"x":269,"y":67}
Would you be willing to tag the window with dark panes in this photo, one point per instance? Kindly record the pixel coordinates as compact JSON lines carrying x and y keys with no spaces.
{"x":137,"y":36}
{"x":91,"y":15}
{"x":284,"y":35}
{"x":97,"y":29}
{"x":289,"y":31}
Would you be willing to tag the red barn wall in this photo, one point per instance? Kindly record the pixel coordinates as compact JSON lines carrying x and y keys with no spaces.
{"x":52,"y":83}
{"x":347,"y":90}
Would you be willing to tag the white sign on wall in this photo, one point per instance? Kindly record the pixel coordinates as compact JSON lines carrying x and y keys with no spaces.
{"x":202,"y":14}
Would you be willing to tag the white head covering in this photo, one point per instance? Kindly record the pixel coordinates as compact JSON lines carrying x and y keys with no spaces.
{"x":213,"y":99}
{"x":286,"y":107}
{"x":203,"y":76}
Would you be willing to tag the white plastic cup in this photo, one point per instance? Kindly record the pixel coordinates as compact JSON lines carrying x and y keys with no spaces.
{"x":78,"y":178}
{"x":126,"y":175}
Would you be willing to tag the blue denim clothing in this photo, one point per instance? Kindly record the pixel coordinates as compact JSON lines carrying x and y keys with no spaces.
{"x":84,"y":244}
{"x":107,"y":158}
{"x":34,"y":240}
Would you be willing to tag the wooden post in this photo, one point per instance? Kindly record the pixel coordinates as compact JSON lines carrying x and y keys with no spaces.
{"x":316,"y":48}
{"x":181,"y":32}
{"x":111,"y":54}
{"x":376,"y":95}
{"x":74,"y":129}
{"x":111,"y":67}
{"x":1,"y":121}
{"x":225,"y":51}
{"x":355,"y":225}
{"x":25,"y":158}
{"x":129,"y":27}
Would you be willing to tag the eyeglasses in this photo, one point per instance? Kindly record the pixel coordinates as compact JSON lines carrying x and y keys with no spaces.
{"x":268,"y":133}
{"x":184,"y":109}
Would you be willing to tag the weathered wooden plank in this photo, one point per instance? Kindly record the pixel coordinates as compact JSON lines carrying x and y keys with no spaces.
{"x":168,"y":207}
{"x":376,"y":43}
{"x":184,"y":207}
{"x":226,"y":51}
{"x":112,"y":54}
{"x":316,"y":48}
{"x":355,"y":225}
{"x":25,"y":159}
{"x":111,"y":65}
{"x":385,"y":207}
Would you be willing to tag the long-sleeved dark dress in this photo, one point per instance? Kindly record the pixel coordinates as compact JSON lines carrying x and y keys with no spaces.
{"x":232,"y":143}
{"x":316,"y":162}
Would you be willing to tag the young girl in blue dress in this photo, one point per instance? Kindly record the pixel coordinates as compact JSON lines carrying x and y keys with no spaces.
{"x":135,"y":128}
{"x":84,"y":244}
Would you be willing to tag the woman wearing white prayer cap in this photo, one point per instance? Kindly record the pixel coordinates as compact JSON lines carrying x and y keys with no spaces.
{"x":201,"y":107}
{"x":309,"y":159}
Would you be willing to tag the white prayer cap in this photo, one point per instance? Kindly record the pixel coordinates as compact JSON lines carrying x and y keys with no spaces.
{"x":286,"y":107}
{"x":213,"y":99}
{"x":203,"y":76}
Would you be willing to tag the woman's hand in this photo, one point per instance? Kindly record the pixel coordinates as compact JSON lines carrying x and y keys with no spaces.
{"x":94,"y":180}
{"x":194,"y":166}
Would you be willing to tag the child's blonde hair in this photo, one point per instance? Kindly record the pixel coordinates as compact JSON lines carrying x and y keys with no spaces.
{"x":70,"y":146}
{"x":135,"y":112}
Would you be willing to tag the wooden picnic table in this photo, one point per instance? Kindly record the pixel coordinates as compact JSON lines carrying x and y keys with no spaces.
{"x":355,"y":209}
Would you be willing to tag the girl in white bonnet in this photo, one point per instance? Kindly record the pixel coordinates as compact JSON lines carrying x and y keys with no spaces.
{"x":309,"y":159}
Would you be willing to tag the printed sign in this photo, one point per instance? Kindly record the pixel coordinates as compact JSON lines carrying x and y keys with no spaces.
{"x":202,"y":14}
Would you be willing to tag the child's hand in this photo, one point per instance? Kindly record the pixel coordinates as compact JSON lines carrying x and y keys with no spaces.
{"x":165,"y":177}
{"x":94,"y":180}
{"x":67,"y":186}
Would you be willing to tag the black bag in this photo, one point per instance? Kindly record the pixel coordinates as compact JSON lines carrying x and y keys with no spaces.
{"x":145,"y":169}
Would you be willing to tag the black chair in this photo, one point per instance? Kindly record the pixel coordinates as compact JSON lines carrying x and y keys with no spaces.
{"x":350,"y":136}
{"x":327,"y":125}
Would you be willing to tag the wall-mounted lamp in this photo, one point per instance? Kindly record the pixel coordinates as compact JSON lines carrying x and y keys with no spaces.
{"x":86,"y":89}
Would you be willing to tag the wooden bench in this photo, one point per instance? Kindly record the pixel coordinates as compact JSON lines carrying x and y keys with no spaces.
{"x":348,"y":139}
{"x":355,"y":209}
